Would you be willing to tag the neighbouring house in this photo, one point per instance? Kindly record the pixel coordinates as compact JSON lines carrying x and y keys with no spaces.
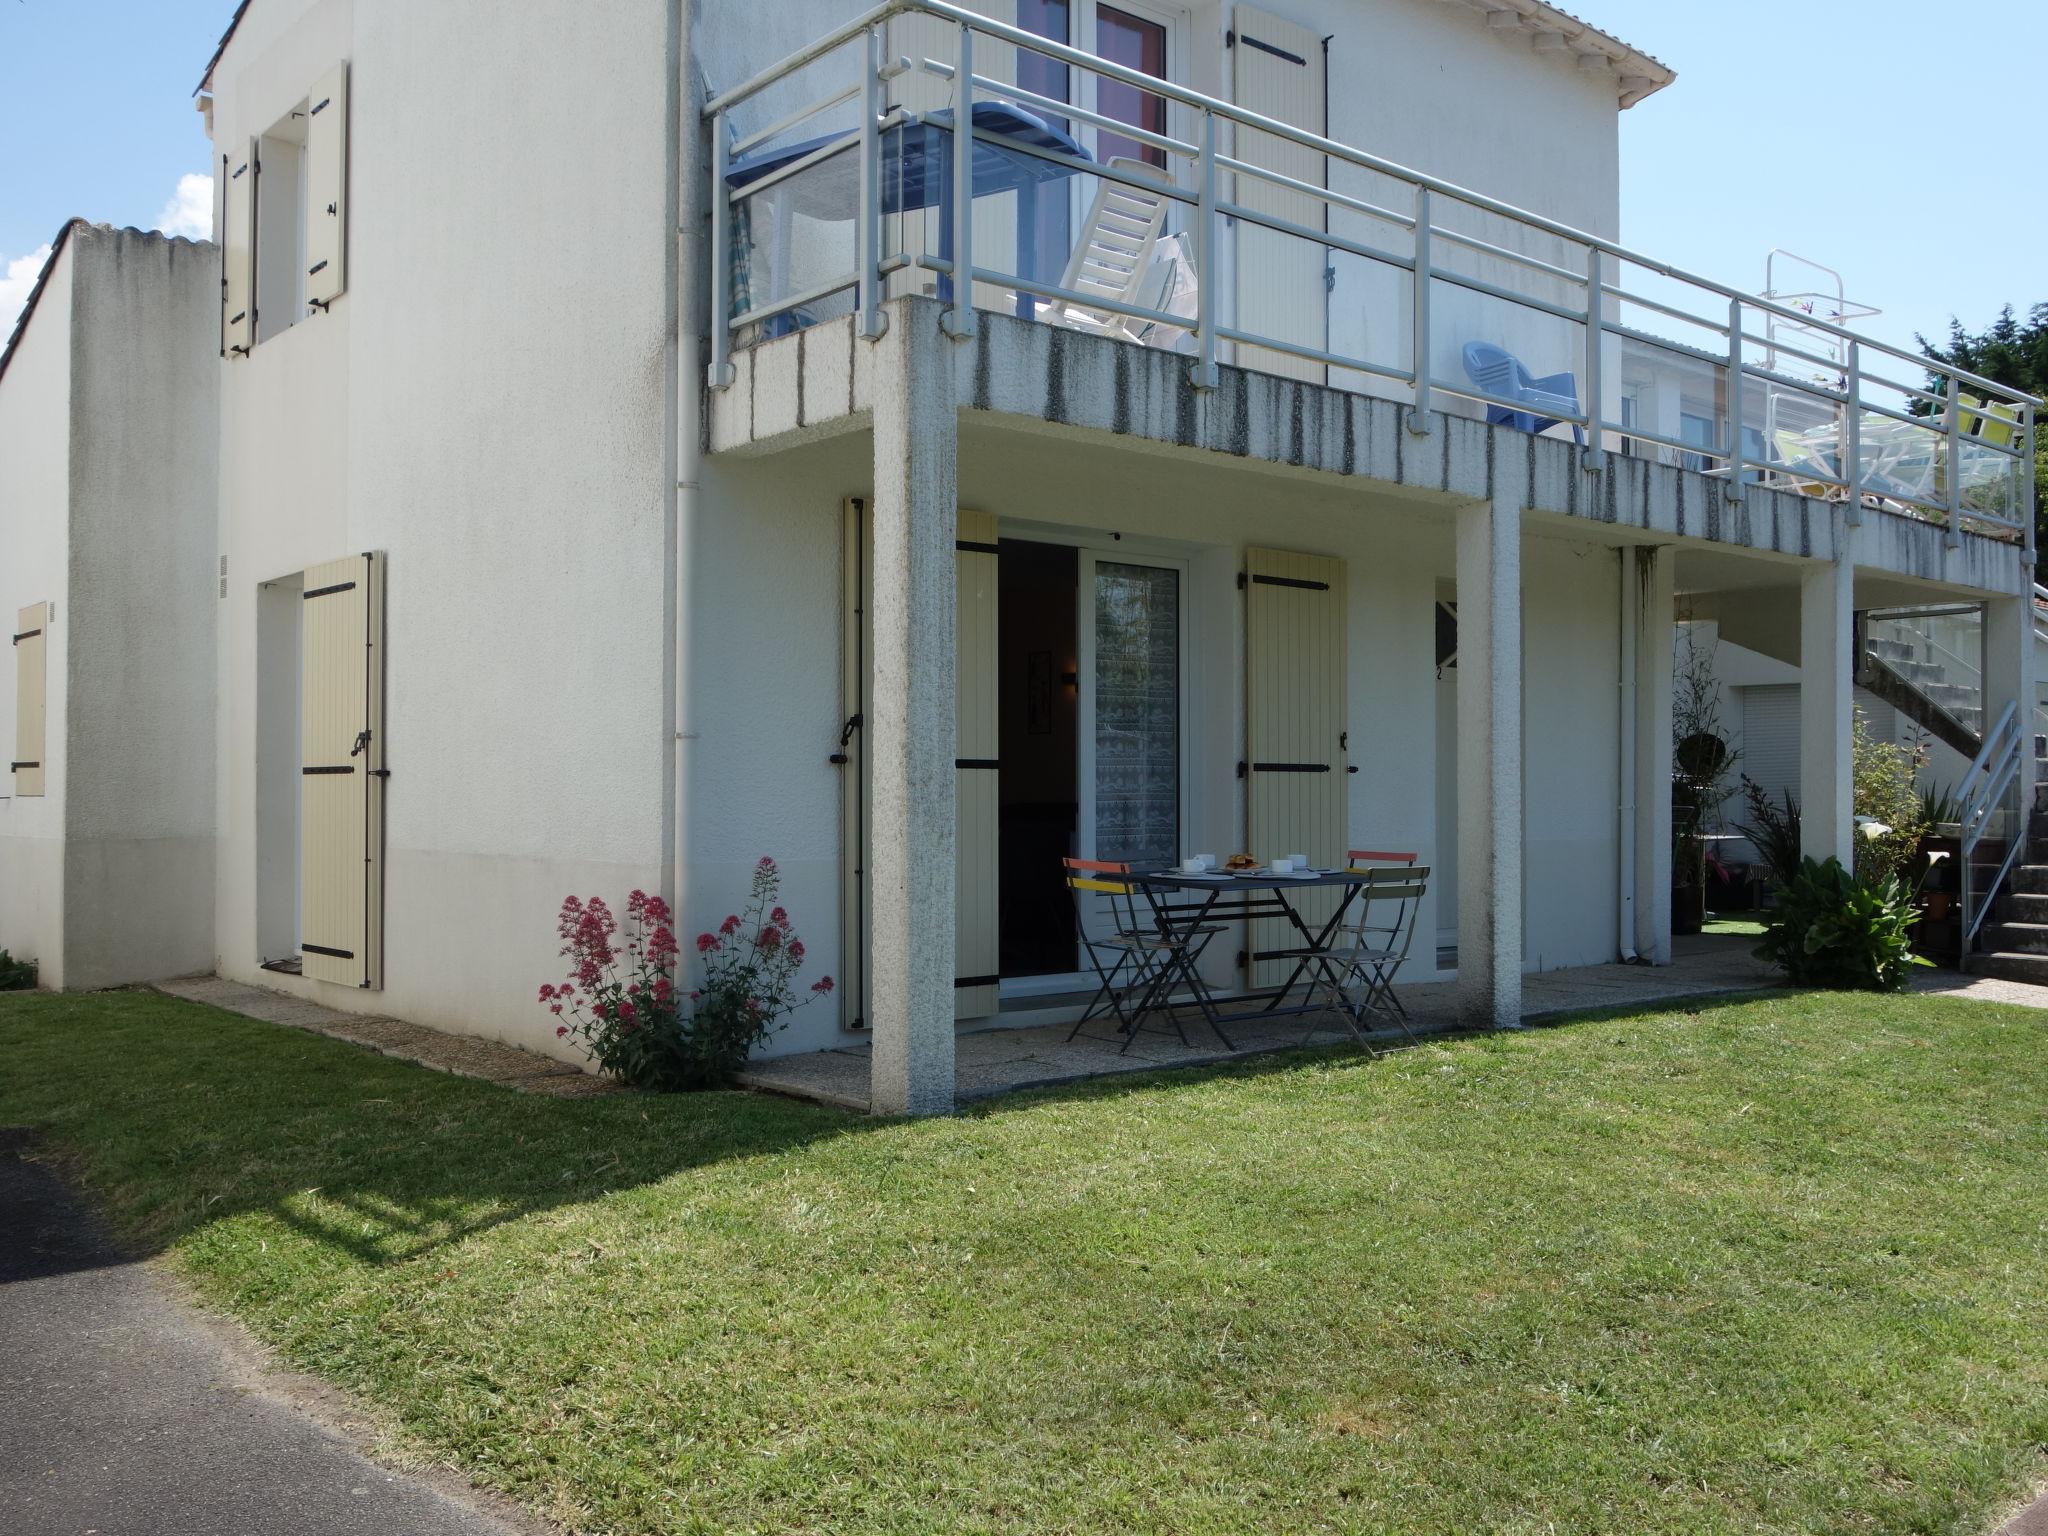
{"x":107,"y":449}
{"x":616,"y":485}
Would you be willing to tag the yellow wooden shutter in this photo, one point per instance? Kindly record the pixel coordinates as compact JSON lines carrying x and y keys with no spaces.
{"x":977,"y":946}
{"x":1277,"y":72}
{"x":31,"y":635}
{"x":852,"y":758}
{"x":977,"y":940}
{"x":327,"y":188}
{"x":1297,"y":782}
{"x":341,"y":757}
{"x":238,"y":253}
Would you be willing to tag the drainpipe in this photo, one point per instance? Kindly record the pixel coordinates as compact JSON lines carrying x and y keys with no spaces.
{"x":1625,"y":888}
{"x":687,"y":203}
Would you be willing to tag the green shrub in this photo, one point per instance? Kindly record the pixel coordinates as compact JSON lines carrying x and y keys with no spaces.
{"x":16,"y":975}
{"x":1839,"y":930}
{"x":1891,"y":818}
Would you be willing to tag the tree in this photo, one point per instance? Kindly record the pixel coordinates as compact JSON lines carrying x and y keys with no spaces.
{"x":2012,"y":353}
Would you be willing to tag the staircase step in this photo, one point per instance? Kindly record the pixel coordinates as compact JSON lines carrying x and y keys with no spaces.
{"x":2010,"y":967}
{"x":2018,"y":938}
{"x":2023,"y":907}
{"x":2028,"y":880}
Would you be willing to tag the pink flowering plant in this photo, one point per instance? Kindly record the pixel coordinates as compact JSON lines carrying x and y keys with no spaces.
{"x":623,"y":1004}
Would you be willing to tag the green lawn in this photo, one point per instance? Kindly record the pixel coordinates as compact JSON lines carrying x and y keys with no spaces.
{"x":1770,"y":1266}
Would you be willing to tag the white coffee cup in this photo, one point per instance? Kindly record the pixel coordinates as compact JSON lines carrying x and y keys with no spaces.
{"x":1192,"y":866}
{"x":1283,"y":866}
{"x":1299,"y":861}
{"x":1206,"y":860}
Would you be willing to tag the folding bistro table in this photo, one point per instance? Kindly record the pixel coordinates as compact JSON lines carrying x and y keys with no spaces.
{"x":1228,"y":897}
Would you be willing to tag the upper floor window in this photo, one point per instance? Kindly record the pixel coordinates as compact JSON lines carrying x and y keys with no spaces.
{"x":284,"y":219}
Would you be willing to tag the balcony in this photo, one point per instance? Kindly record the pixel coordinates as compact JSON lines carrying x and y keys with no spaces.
{"x":1102,"y":199}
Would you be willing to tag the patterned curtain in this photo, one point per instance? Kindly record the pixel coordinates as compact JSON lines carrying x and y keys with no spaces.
{"x":1137,"y":714}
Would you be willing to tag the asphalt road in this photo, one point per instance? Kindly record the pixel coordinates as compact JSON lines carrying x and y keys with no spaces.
{"x":124,"y":1410}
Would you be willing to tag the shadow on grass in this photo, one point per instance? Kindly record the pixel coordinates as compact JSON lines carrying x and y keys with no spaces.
{"x":180,"y":1116}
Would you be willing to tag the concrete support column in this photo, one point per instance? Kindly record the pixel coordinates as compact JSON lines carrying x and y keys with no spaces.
{"x":1654,"y":615}
{"x":911,"y":733}
{"x":1490,"y":762}
{"x":2009,"y":676}
{"x":1827,"y":704}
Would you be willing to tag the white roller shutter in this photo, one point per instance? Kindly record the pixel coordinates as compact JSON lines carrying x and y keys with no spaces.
{"x":31,"y":638}
{"x":1297,"y":780}
{"x":238,"y":252}
{"x":341,"y":764}
{"x":1277,"y":72}
{"x":977,"y":945}
{"x":327,"y":188}
{"x":1770,"y":738}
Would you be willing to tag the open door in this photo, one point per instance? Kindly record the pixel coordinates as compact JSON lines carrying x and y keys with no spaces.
{"x":1297,"y":776}
{"x":341,"y":766}
{"x":976,"y":929}
{"x":1282,"y":286}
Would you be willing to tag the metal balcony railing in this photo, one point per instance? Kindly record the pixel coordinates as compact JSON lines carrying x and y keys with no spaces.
{"x":835,"y":187}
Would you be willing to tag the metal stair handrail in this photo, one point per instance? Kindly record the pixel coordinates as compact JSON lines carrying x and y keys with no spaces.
{"x":1991,"y":773}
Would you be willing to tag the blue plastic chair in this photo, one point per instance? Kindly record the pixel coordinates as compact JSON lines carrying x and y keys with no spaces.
{"x":1499,"y":372}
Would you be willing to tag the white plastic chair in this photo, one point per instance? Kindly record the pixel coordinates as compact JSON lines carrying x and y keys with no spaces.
{"x":1113,"y":255}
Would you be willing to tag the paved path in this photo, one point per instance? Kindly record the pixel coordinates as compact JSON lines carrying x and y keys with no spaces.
{"x":464,"y":1055}
{"x":125,"y":1412}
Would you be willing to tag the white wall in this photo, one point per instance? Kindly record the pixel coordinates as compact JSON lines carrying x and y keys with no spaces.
{"x":486,"y":403}
{"x":35,"y":567}
{"x":139,"y":801}
{"x":766,"y":708}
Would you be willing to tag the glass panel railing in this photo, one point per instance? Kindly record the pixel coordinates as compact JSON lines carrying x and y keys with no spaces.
{"x":1283,"y":252}
{"x":1936,"y":651}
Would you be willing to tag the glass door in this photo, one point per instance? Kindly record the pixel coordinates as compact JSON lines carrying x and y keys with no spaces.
{"x":1131,"y":780}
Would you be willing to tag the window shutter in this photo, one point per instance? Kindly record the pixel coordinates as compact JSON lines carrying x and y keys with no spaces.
{"x":977,"y":942}
{"x":327,"y":188}
{"x":1277,"y":72}
{"x":30,"y":628}
{"x":1770,"y":738}
{"x":1297,"y":791}
{"x":852,"y":760}
{"x":341,"y":763}
{"x":238,"y":253}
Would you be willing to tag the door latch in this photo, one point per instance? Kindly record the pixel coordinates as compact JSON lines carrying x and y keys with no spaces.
{"x":839,"y":759}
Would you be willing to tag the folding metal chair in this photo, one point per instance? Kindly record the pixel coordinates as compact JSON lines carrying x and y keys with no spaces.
{"x":1140,"y":958}
{"x":1361,"y":974}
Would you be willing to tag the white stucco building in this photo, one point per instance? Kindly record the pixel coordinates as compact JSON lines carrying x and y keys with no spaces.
{"x":107,"y":452}
{"x":612,"y":494}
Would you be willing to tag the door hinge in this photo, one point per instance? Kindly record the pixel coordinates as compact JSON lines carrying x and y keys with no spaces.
{"x":1243,"y":768}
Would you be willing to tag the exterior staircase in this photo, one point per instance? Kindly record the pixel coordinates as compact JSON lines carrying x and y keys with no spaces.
{"x":1918,"y":687}
{"x":2014,"y":939}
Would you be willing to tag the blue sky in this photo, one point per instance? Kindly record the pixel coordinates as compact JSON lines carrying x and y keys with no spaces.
{"x":1818,"y":125}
